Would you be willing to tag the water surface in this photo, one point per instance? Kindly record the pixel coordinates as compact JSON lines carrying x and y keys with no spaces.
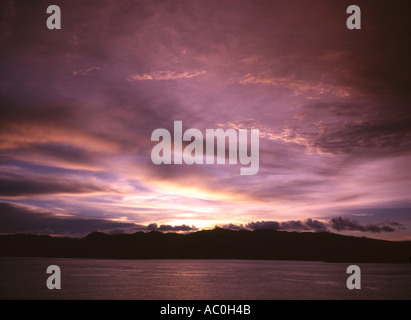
{"x":25,"y":278}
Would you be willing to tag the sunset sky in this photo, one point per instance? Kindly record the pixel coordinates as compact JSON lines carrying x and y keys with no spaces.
{"x":78,"y":106}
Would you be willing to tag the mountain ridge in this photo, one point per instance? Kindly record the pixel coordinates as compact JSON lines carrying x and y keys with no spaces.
{"x":262,"y":244}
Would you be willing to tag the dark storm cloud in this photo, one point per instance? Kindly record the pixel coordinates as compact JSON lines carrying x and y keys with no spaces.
{"x":315,"y":225}
{"x":397,"y":225}
{"x":232,"y":226}
{"x":386,"y":229}
{"x":296,"y":225}
{"x":342,"y":223}
{"x":339,"y":224}
{"x":166,"y":227}
{"x":274,"y":225}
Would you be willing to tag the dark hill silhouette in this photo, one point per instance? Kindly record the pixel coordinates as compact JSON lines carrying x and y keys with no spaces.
{"x":211,"y":244}
{"x":29,"y":245}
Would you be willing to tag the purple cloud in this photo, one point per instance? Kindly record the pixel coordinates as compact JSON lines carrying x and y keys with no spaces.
{"x":341,"y":224}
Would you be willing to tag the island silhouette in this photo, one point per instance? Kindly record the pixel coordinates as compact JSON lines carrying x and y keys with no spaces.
{"x":211,"y":244}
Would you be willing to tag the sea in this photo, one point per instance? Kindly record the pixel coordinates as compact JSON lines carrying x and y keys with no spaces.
{"x":100,"y":279}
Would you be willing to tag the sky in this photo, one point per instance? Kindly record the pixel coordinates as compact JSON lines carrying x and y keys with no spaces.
{"x":78,"y":106}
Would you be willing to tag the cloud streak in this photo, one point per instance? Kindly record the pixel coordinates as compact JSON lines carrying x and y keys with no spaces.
{"x":166,"y":75}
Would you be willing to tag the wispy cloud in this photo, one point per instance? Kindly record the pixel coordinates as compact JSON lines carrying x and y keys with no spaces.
{"x":85,"y":72}
{"x":298,"y":86}
{"x":166,"y":75}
